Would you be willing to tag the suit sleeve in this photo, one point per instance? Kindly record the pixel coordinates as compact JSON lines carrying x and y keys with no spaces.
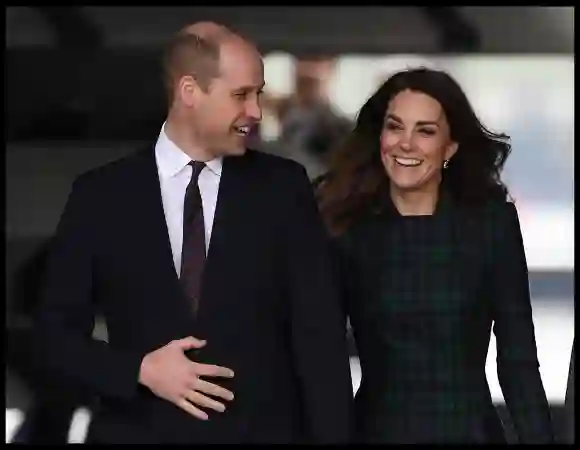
{"x":63,"y":346}
{"x":517,"y":361}
{"x":346,"y":274}
{"x":318,"y":322}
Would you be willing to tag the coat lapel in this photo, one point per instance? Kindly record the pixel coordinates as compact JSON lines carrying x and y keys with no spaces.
{"x":229,"y":211}
{"x":149,"y":206}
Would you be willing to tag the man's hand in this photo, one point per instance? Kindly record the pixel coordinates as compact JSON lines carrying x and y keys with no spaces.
{"x":170,"y":375}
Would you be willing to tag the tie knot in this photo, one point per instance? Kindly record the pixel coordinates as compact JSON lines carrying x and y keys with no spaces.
{"x":197,"y":167}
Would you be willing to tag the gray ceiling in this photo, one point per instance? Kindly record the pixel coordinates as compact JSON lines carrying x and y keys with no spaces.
{"x":333,"y":29}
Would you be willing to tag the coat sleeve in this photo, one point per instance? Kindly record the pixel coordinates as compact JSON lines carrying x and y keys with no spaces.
{"x":63,"y":348}
{"x":517,"y":361}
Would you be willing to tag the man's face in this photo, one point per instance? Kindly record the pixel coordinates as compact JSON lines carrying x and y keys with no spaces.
{"x":225,"y":114}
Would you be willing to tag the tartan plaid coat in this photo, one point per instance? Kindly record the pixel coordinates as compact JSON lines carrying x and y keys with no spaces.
{"x":422,"y":293}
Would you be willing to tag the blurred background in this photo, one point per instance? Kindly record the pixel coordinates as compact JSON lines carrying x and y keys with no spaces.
{"x":83,"y":87}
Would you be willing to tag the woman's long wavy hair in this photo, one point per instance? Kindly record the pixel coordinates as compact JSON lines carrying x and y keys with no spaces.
{"x":356,"y":182}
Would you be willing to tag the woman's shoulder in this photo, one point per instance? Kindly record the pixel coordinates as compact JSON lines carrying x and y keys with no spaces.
{"x":491,"y":209}
{"x":493,"y":219}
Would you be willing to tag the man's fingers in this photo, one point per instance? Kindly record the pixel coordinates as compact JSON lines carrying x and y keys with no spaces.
{"x":190,"y":409}
{"x":210,"y":370}
{"x":213,"y":389}
{"x":189,"y":342}
{"x":201,"y":400}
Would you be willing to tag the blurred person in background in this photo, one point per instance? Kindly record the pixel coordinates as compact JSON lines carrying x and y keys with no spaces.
{"x":431,"y":255}
{"x":223,"y":315}
{"x":309,"y":124}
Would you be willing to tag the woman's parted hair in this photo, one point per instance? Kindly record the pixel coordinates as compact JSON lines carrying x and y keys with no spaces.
{"x":356,"y":183}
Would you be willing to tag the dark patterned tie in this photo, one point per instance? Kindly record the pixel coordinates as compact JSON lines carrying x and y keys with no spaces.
{"x":193,"y":249}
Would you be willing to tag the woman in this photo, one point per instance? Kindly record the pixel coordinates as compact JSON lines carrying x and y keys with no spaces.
{"x":432,"y":254}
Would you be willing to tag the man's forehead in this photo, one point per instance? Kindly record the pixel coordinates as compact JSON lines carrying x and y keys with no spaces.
{"x":205,"y":29}
{"x":255,"y":86}
{"x":243,"y":79}
{"x":246,"y":79}
{"x":235,"y":54}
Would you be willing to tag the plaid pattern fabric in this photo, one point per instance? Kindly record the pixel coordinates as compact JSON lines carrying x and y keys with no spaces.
{"x":422,"y":292}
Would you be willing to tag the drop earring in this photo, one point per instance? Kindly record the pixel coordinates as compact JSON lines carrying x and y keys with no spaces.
{"x":446,"y":164}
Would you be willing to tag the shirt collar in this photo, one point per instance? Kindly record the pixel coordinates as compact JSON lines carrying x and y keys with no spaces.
{"x":171,"y":159}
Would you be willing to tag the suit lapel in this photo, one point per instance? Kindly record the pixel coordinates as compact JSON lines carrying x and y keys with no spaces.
{"x":151,"y":217}
{"x":229,"y":211}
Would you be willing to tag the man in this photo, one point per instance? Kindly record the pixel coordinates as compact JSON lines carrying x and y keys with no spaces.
{"x":213,"y":277}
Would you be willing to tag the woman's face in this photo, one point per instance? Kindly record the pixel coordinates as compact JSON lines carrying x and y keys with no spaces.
{"x":415,"y":142}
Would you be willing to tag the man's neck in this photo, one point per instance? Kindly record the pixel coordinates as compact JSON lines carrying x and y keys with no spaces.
{"x":183,"y":137}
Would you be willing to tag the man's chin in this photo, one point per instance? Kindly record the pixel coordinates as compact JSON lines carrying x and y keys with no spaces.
{"x":236,"y":151}
{"x":230,"y":151}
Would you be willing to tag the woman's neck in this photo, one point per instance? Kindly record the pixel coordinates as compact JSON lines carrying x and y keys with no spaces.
{"x":414,"y":203}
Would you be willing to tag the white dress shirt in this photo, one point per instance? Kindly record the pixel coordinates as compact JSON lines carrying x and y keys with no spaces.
{"x":174,"y":176}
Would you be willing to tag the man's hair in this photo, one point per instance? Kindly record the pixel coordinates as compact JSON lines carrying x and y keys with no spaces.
{"x":189,"y":54}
